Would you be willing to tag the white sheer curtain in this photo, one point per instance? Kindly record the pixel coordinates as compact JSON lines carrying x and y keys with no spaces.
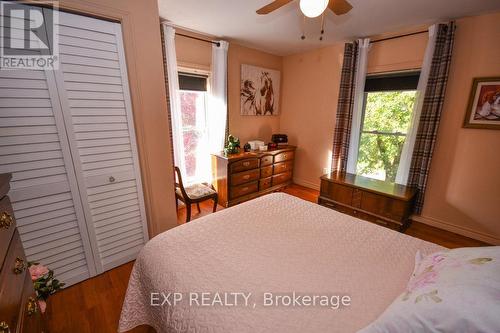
{"x":407,"y":152}
{"x":217,"y":104}
{"x":357,"y":114}
{"x":175,"y":105}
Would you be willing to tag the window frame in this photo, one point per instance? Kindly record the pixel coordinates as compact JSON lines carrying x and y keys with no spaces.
{"x":195,"y":72}
{"x":391,"y":76}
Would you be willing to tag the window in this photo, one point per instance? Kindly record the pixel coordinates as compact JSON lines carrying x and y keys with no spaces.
{"x":387,"y":111}
{"x":193,"y":103}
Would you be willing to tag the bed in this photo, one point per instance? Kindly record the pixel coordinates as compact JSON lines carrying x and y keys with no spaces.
{"x":269,"y":247}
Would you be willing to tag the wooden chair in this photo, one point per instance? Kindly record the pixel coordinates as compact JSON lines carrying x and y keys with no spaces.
{"x":193,"y":194}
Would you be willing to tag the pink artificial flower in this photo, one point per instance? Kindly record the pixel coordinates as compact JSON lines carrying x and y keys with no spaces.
{"x":423,"y":279}
{"x":42,"y":305}
{"x":37,"y":271}
{"x":437,"y":258}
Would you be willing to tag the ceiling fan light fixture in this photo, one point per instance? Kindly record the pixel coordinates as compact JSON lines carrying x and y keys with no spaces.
{"x":313,"y":8}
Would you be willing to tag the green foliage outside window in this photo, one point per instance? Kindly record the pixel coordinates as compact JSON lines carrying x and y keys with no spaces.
{"x":386,"y":120}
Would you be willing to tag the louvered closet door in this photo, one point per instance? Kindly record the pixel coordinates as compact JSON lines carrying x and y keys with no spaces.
{"x":34,"y":148}
{"x":93,"y":88}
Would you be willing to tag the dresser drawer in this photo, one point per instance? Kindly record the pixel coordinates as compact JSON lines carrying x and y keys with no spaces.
{"x":384,"y":206}
{"x":241,"y":190}
{"x":282,"y":167}
{"x":246,"y":164}
{"x":31,"y":319}
{"x":245,"y":177}
{"x":336,"y":192}
{"x":284,"y":156}
{"x":360,"y":215}
{"x":265,"y":183}
{"x":7,"y":226}
{"x":11,"y":283}
{"x":266,"y":160}
{"x":266,"y":171}
{"x":282,"y":178}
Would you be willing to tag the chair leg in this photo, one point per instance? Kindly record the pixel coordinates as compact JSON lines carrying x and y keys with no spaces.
{"x":216,"y":199}
{"x":188,"y":212}
{"x":198,"y":206}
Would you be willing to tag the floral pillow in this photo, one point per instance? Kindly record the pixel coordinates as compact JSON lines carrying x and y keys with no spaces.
{"x":450,"y":291}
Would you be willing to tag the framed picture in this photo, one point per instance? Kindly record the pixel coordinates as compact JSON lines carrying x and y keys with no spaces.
{"x":260,"y":91}
{"x":483,"y":110}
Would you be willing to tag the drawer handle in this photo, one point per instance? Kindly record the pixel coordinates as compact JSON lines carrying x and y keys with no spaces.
{"x":244,"y":189}
{"x":19,"y":266}
{"x":4,"y":328}
{"x":112,"y":179}
{"x":5,"y":221}
{"x":32,"y":307}
{"x":284,"y":157}
{"x":246,"y":177}
{"x":246,"y":164}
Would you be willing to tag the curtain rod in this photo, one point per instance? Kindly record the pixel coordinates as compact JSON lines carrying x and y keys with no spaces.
{"x":200,"y":39}
{"x":400,"y":36}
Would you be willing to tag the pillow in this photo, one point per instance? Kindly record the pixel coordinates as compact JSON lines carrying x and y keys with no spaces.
{"x":449,"y":291}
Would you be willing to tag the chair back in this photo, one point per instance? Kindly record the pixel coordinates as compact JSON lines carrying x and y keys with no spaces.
{"x":179,"y":183}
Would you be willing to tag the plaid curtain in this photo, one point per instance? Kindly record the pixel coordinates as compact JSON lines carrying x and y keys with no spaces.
{"x":345,"y":108}
{"x":169,"y":113}
{"x":431,"y":112}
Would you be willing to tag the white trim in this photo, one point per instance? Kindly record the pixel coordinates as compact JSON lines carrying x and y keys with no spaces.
{"x":464,"y":231}
{"x":307,"y":184}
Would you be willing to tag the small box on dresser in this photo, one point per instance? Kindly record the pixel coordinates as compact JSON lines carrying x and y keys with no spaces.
{"x":18,"y":305}
{"x":247,"y":175}
{"x":381,"y":202}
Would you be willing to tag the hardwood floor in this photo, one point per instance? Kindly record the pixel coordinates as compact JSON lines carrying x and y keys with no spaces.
{"x":95,"y":305}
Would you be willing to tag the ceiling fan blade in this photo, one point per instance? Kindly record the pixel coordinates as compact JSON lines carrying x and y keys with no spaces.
{"x":272,"y":6}
{"x":339,"y":7}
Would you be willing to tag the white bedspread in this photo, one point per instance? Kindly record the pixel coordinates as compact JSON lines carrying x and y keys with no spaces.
{"x":275,"y":244}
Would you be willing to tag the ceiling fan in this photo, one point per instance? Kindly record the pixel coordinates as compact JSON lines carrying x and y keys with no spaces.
{"x":310,"y":8}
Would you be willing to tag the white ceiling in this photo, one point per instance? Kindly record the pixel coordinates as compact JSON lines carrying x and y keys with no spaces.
{"x":279,"y":32}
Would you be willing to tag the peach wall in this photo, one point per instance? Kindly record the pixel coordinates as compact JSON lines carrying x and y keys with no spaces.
{"x":195,"y":54}
{"x":464,"y":187}
{"x":310,"y":93}
{"x":463,"y":192}
{"x":141,"y":34}
{"x":249,"y":127}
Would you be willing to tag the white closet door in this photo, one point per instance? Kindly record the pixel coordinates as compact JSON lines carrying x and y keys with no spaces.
{"x":34,"y":148}
{"x":94,"y":93}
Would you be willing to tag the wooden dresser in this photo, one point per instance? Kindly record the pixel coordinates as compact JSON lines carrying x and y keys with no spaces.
{"x":18,"y":306}
{"x":381,"y":202}
{"x":244,"y":176}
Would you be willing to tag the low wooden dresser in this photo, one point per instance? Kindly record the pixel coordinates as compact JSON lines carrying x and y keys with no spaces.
{"x":244,"y":176}
{"x":384,"y":203}
{"x":18,"y":306}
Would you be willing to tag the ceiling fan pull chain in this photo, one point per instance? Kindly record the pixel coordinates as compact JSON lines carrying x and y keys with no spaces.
{"x":303,"y":28}
{"x":322,"y":26}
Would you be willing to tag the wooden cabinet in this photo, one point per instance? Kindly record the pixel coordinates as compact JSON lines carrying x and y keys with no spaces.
{"x":18,"y":306}
{"x":244,"y":176}
{"x":384,"y":203}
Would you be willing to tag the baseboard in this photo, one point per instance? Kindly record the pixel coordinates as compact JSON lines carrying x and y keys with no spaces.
{"x":490,"y":239}
{"x":306,"y":183}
